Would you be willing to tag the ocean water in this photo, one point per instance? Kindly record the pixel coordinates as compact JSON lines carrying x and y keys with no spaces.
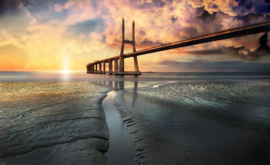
{"x":83,"y":77}
{"x":173,"y":118}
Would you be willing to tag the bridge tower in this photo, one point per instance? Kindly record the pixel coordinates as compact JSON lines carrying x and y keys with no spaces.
{"x":121,"y":69}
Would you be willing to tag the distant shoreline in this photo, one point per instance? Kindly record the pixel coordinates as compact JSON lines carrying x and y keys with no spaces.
{"x":142,"y":72}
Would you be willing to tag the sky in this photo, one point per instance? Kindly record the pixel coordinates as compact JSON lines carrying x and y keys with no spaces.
{"x":47,"y":35}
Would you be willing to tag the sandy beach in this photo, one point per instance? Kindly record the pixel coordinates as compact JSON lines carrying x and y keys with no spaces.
{"x":52,"y":123}
{"x":162,"y":122}
{"x":199,"y":122}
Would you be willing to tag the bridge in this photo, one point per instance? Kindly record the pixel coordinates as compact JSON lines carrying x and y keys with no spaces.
{"x":119,"y":68}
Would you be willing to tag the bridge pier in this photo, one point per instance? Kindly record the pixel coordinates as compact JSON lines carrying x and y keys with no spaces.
{"x":90,"y":69}
{"x":104,"y":66}
{"x":136,"y":66}
{"x":119,"y":67}
{"x":115,"y":65}
{"x":110,"y":66}
{"x":121,"y":64}
{"x":100,"y":70}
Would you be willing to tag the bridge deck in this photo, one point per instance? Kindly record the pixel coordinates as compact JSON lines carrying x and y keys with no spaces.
{"x":253,"y":29}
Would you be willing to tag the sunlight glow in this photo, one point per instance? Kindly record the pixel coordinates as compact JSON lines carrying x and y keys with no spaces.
{"x":65,"y":57}
{"x":66,"y":71}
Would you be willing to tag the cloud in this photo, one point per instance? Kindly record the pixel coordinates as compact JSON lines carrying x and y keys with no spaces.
{"x":48,"y":29}
{"x":262,"y":50}
{"x":215,"y":6}
{"x":14,"y":18}
{"x":174,"y":18}
{"x":228,"y":66}
{"x":12,"y":58}
{"x":205,"y":15}
{"x":89,"y":26}
{"x":12,"y":6}
{"x":48,"y":10}
{"x":205,"y":52}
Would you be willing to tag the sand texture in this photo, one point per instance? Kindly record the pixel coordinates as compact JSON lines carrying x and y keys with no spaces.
{"x":52,"y":123}
{"x":199,"y":122}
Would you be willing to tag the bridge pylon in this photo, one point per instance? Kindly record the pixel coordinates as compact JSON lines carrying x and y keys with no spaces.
{"x":121,"y":68}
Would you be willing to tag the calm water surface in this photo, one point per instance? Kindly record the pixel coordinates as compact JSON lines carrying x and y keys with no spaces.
{"x":82,"y":77}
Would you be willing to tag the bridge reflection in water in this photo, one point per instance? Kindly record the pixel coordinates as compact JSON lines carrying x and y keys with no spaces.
{"x":120,"y":85}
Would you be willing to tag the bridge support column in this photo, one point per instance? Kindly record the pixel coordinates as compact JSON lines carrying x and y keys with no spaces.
{"x":122,"y":64}
{"x":115,"y":65}
{"x":136,"y":66}
{"x":104,"y":66}
{"x":100,"y":69}
{"x":121,"y":61}
{"x":110,"y":66}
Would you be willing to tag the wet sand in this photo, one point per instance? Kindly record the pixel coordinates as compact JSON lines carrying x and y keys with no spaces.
{"x":52,"y":123}
{"x":215,"y":122}
{"x":189,"y":122}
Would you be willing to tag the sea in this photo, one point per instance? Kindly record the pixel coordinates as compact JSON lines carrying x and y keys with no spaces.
{"x":170,"y":118}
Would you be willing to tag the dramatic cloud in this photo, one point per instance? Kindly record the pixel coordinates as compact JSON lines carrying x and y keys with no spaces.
{"x":216,"y":5}
{"x":261,"y":51}
{"x":228,"y":66}
{"x":10,"y":6}
{"x":52,"y":32}
{"x":205,"y":52}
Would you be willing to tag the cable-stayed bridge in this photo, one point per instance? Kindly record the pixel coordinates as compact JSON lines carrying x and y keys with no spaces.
{"x":99,"y":67}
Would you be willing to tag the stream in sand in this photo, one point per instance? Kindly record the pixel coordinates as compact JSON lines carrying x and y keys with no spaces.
{"x":121,"y":149}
